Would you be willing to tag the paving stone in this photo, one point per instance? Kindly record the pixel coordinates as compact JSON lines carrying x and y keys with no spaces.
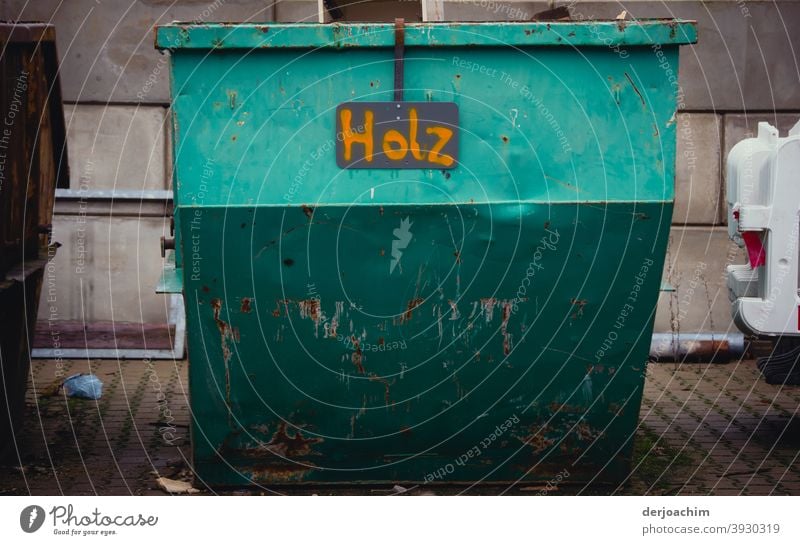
{"x":734,"y":465}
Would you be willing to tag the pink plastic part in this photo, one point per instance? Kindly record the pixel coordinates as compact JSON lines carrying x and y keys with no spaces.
{"x":755,"y":249}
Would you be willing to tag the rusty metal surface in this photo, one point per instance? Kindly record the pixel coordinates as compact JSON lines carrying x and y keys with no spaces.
{"x":32,"y":164}
{"x":644,"y":32}
{"x":490,"y":321}
{"x":27,"y":33}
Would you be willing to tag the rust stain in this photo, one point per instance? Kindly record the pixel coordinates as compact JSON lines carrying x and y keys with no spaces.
{"x":454,"y":313}
{"x":308,"y":211}
{"x":357,"y":356}
{"x":616,"y":409}
{"x":267,"y":467}
{"x":288,"y":261}
{"x":580,"y":303}
{"x":224,"y":328}
{"x":226,"y":333}
{"x":246,"y":305}
{"x":277,"y":312}
{"x":386,"y":385}
{"x":414,"y":303}
{"x":538,"y":440}
{"x":289,"y":446}
{"x":457,"y":254}
{"x":506,"y":307}
{"x":556,"y":408}
{"x":487,"y":307}
{"x":309,"y":308}
{"x":279,"y":472}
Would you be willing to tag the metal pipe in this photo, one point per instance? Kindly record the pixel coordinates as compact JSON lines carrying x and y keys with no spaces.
{"x":697,"y":347}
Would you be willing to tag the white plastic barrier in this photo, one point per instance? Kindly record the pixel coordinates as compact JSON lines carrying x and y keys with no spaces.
{"x":764,"y":216}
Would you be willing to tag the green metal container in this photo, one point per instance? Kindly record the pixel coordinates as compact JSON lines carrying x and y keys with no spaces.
{"x":480,"y":315}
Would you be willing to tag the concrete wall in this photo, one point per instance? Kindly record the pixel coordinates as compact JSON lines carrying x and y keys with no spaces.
{"x":742,"y":71}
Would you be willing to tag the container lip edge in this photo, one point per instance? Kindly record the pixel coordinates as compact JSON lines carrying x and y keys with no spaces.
{"x":176,"y":34}
{"x":617,"y":22}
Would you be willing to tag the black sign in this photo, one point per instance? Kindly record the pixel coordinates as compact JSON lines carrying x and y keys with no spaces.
{"x":397,"y":135}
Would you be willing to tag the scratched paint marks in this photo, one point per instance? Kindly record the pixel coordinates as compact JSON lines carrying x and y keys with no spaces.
{"x":227,"y":334}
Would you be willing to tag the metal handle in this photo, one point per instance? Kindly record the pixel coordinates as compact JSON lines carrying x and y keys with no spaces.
{"x":399,"y":47}
{"x":167,"y":244}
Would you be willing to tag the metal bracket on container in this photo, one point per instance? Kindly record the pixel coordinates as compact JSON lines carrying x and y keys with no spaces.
{"x":399,"y":52}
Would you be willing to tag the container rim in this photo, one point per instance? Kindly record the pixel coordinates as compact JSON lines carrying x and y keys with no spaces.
{"x":641,"y":32}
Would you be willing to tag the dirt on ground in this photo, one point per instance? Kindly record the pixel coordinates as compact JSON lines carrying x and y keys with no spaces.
{"x":704,"y":429}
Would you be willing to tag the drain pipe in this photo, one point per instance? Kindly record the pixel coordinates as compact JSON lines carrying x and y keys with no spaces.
{"x":697,"y":347}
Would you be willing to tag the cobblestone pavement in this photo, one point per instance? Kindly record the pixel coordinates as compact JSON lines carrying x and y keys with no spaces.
{"x":705,"y":429}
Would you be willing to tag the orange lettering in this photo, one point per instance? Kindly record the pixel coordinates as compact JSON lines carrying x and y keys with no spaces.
{"x":350,"y":137}
{"x":444,"y":135}
{"x":395,"y":154}
{"x":412,"y":137}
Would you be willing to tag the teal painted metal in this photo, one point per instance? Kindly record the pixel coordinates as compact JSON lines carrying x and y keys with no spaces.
{"x":485,"y":323}
{"x":308,"y":36}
